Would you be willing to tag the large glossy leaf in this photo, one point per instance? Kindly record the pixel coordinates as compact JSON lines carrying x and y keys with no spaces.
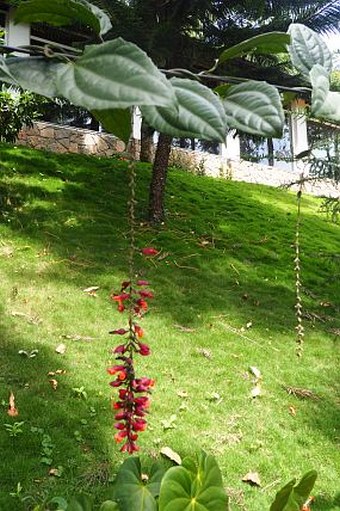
{"x":36,"y":74}
{"x":291,"y":497}
{"x":132,"y":492}
{"x":64,"y":12}
{"x":80,"y":503}
{"x":307,"y":49}
{"x":115,"y":74}
{"x":325,"y":103}
{"x":200,"y":113}
{"x":5,"y":74}
{"x":109,"y":505}
{"x":254,"y":107}
{"x":271,"y":42}
{"x":190,"y":488}
{"x":117,"y":122}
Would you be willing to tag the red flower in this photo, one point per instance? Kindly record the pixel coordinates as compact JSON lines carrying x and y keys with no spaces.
{"x":142,"y":304}
{"x":139,"y":331}
{"x":121,"y":297}
{"x":119,"y":331}
{"x":115,"y":369}
{"x":144,"y":349}
{"x":149,"y":251}
{"x":142,"y":283}
{"x":120,"y":349}
{"x":146,"y":294}
{"x":139,"y":425}
{"x":119,"y":437}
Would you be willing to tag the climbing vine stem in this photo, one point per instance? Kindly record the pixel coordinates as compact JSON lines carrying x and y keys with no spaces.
{"x":300,"y":331}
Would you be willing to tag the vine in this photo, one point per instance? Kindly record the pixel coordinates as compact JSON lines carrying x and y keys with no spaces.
{"x":133,"y":392}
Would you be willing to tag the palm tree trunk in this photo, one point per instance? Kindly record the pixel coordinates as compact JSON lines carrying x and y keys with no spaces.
{"x":158,"y":180}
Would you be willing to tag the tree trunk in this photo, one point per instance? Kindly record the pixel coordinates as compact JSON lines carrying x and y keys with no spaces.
{"x":270,"y":147}
{"x":146,"y":149}
{"x":158,"y":180}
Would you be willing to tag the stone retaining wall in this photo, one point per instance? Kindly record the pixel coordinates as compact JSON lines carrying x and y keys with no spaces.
{"x":67,"y":139}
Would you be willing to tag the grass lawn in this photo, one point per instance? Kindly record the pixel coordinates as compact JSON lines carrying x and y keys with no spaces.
{"x":224,"y":286}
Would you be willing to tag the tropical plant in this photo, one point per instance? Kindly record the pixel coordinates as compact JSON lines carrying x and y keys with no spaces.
{"x":17,"y":108}
{"x":196,"y":484}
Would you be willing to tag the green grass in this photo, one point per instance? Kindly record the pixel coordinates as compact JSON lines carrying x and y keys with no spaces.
{"x":226,"y":260}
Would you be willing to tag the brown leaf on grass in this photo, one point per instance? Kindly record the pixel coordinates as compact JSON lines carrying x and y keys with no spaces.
{"x":30,"y":318}
{"x":91,"y":290}
{"x":326,"y":304}
{"x":60,"y":349}
{"x":256,"y":391}
{"x":292,"y":411}
{"x":300,"y":392}
{"x":53,"y":383}
{"x":12,"y":410}
{"x":252,"y":478}
{"x":206,"y":353}
{"x":182,"y":394}
{"x":57,"y":372}
{"x":171,"y":455}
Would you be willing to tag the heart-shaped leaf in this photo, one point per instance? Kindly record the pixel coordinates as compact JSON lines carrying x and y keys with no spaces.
{"x":36,"y":74}
{"x":271,"y":42}
{"x":64,"y":12}
{"x":308,"y":49}
{"x":325,"y":103}
{"x":291,"y":497}
{"x":80,"y":503}
{"x":117,"y":122}
{"x":135,"y":491}
{"x":193,"y":487}
{"x":200,"y":113}
{"x":254,"y":107}
{"x":115,"y":74}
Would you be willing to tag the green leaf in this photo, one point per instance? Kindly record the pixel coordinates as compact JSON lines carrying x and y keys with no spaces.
{"x":254,"y":107}
{"x":132,"y":492}
{"x":200,"y":113}
{"x":271,"y":42}
{"x":115,"y":74}
{"x":80,"y":503}
{"x":303,"y":490}
{"x":64,"y":12}
{"x":109,"y":505}
{"x":291,"y":497}
{"x":60,"y":502}
{"x":325,"y":103}
{"x":117,"y":122}
{"x":187,"y":489}
{"x":34,"y":73}
{"x":308,"y":49}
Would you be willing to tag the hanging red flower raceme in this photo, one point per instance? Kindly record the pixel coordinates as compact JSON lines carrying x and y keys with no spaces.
{"x":133,"y":401}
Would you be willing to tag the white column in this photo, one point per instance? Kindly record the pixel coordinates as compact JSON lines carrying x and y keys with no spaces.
{"x":298,"y":133}
{"x":231,"y":149}
{"x":17,"y":34}
{"x":136,"y":124}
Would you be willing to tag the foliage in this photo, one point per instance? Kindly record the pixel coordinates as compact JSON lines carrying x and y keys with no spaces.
{"x":196,"y":484}
{"x":17,"y":108}
{"x":126,"y":77}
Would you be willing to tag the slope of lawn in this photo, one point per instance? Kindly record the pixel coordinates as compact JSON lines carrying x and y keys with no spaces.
{"x":224,"y":302}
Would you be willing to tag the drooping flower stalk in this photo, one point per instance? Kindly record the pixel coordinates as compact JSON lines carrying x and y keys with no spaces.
{"x":133,"y":401}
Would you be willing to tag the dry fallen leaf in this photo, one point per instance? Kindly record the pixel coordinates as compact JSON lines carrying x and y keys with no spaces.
{"x":206,"y":353}
{"x":53,"y":383}
{"x":58,"y":371}
{"x":292,"y":411}
{"x":12,"y":410}
{"x":256,"y":391}
{"x":182,"y":393}
{"x":185,"y":329}
{"x":252,"y":478}
{"x":92,"y":291}
{"x":249,"y":324}
{"x":61,"y":348}
{"x":255,"y":371}
{"x":172,"y":455}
